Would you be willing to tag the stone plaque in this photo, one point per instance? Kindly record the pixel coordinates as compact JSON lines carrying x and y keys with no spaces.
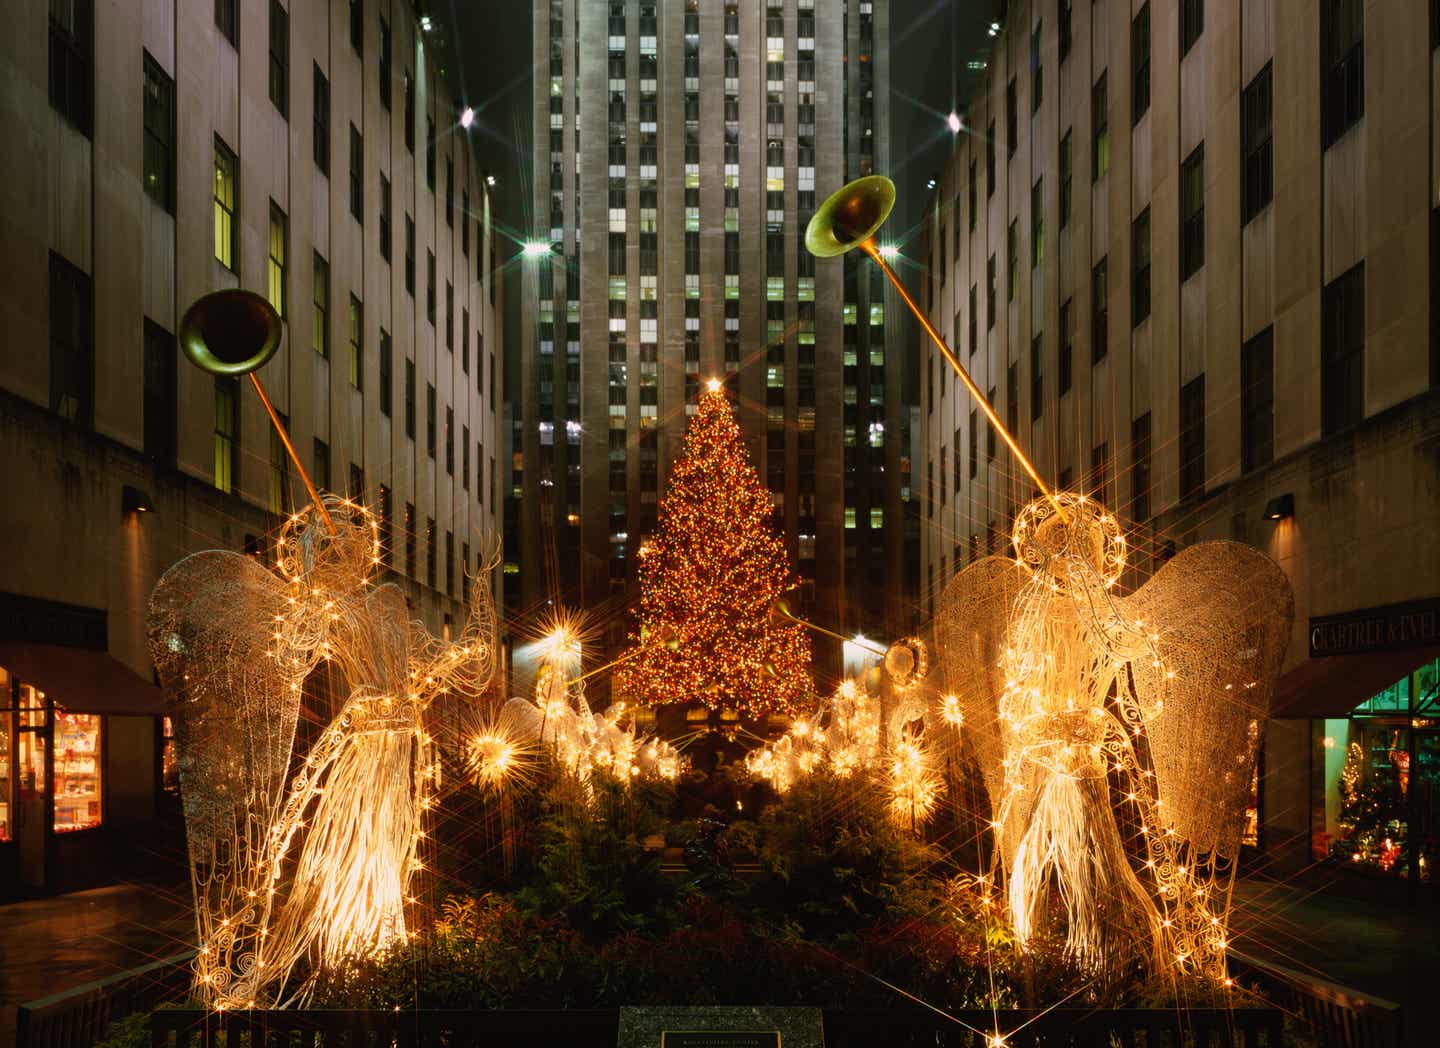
{"x":737,"y":1026}
{"x":719,"y":1039}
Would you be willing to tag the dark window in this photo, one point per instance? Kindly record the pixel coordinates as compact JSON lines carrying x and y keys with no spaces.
{"x":357,"y":174}
{"x":1037,"y":71}
{"x":974,"y":441}
{"x":322,"y":121}
{"x":465,"y":341}
{"x":1192,"y":23}
{"x":387,"y":523}
{"x":1140,"y":65}
{"x":1037,"y":377}
{"x":465,"y":223}
{"x":430,"y":286}
{"x":1064,"y":19}
{"x":1099,"y":311}
{"x":430,"y":552}
{"x":410,"y":256}
{"x":450,"y":440}
{"x":409,"y":111}
{"x":226,"y":20}
{"x":465,"y":457}
{"x":1342,"y":67}
{"x":159,"y":135}
{"x":1012,"y":398}
{"x":430,"y":420}
{"x":973,"y":196}
{"x":72,"y":343}
{"x":990,"y":160}
{"x":1012,"y":245}
{"x":1140,"y":468}
{"x":1012,"y":117}
{"x":1192,"y":438}
{"x":357,"y":26}
{"x":973,"y":323}
{"x":450,"y":316}
{"x":1257,"y":150}
{"x":410,"y":398}
{"x":990,"y":293}
{"x":280,"y":58}
{"x":387,"y":373}
{"x":160,"y":402}
{"x":450,"y":563}
{"x":1140,"y":268}
{"x":990,"y":426}
{"x":1066,"y":179}
{"x":385,"y":218}
{"x":1067,"y":346}
{"x":410,"y":540}
{"x":72,"y":57}
{"x":1100,"y":472}
{"x":356,"y":357}
{"x":1342,"y":349}
{"x":356,"y":490}
{"x":1100,"y":129}
{"x":321,"y":464}
{"x":1192,"y":213}
{"x":384,"y":63}
{"x":1257,"y":401}
{"x":450,"y":191}
{"x":320,"y":302}
{"x":1037,"y":224}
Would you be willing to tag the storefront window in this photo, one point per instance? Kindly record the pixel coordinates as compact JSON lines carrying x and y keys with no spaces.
{"x":77,"y":771}
{"x":6,"y":780}
{"x":30,"y":763}
{"x":1380,"y":770}
{"x":169,"y":764}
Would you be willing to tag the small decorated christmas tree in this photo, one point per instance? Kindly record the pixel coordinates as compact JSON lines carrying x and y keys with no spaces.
{"x":709,"y":577}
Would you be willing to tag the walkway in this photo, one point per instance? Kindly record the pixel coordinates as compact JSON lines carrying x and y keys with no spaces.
{"x":55,"y":943}
{"x":1384,"y":949}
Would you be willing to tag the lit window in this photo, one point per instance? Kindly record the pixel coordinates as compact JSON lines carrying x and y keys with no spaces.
{"x":225,"y":175}
{"x":77,"y":771}
{"x":275,"y":265}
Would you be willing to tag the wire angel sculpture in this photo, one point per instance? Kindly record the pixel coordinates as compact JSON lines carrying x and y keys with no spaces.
{"x":1116,"y":735}
{"x":302,"y":861}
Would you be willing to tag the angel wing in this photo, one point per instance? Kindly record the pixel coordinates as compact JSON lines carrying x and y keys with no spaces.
{"x":970,"y":630}
{"x":211,"y":625}
{"x":1222,"y":614}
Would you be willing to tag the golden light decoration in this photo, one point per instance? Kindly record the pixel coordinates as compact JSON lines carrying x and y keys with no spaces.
{"x":1091,"y":714}
{"x":558,"y":718}
{"x":712,"y":572}
{"x":498,"y":756}
{"x":303,"y":861}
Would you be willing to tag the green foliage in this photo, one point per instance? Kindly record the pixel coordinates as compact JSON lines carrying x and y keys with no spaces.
{"x":133,"y":1031}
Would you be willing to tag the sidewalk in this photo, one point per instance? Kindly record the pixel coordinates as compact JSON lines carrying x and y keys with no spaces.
{"x":52,"y":944}
{"x":1384,"y":949}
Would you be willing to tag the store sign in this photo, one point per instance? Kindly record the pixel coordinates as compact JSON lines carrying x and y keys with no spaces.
{"x":1411,"y":625}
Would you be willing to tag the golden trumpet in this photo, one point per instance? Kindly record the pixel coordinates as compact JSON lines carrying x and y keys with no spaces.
{"x":849,"y":218}
{"x":235,"y":332}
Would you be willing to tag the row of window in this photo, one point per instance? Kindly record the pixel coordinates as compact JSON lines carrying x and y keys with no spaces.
{"x":1342,"y":383}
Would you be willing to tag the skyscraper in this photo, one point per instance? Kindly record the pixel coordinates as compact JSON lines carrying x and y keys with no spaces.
{"x":680,"y":148}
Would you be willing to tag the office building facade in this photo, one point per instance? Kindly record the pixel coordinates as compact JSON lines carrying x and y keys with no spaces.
{"x":1188,"y":249}
{"x":680,"y":148}
{"x":164,"y":150}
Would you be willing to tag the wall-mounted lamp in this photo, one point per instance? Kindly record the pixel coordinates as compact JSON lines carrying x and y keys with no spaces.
{"x":133,"y":500}
{"x":1280,"y":507}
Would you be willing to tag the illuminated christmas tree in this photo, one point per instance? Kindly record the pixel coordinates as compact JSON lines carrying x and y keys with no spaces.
{"x":709,"y":577}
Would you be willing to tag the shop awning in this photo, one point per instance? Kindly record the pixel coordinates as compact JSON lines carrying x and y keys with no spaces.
{"x":1334,"y":685}
{"x":82,"y":680}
